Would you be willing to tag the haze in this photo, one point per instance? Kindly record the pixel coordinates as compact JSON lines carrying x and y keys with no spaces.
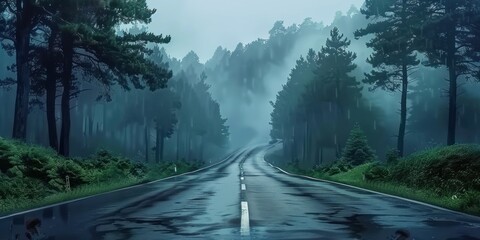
{"x":204,"y":25}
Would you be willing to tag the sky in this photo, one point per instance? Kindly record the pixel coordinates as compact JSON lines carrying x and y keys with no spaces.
{"x":203,"y":25}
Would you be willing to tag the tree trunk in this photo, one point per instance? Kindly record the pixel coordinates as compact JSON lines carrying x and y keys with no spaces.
{"x":162,"y":145}
{"x":202,"y":147}
{"x":294,"y":145}
{"x":22,"y":46}
{"x":403,"y":111}
{"x":403,"y":101}
{"x":67,"y":42}
{"x":317,"y":153}
{"x":178,"y":144}
{"x":305,"y":141}
{"x":451,"y":64}
{"x":51,"y":91}
{"x":321,"y":155}
{"x":147,"y":140}
{"x":157,"y":144}
{"x":104,"y":125}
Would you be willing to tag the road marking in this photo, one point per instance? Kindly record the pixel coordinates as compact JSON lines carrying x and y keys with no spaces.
{"x":244,"y":187}
{"x":245,"y":220}
{"x":242,"y":178}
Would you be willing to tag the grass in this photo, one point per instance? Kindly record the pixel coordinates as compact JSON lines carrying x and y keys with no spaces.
{"x":32,"y":176}
{"x":449,"y":166}
{"x":8,"y":206}
{"x":355,"y":178}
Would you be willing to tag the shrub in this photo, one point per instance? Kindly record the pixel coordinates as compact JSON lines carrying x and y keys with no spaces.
{"x":376,"y":172}
{"x":357,"y":151}
{"x":449,"y":170}
{"x":337,"y":167}
{"x":60,"y":171}
{"x":36,"y":164}
{"x":392,"y":156}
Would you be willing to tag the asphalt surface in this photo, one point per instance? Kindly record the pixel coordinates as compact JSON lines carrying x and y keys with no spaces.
{"x":213,"y":204}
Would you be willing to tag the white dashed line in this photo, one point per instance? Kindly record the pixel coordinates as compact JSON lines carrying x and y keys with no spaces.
{"x":245,"y":220}
{"x":242,"y":178}
{"x":244,"y":187}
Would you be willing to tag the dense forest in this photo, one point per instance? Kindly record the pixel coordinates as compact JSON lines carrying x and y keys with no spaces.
{"x":413,"y":47}
{"x":78,"y":83}
{"x":389,"y":80}
{"x":386,"y":98}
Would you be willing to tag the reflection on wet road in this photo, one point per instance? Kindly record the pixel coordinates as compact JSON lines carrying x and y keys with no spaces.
{"x":242,"y":191}
{"x":281,"y":205}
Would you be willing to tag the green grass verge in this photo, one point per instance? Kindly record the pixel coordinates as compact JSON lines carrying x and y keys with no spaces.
{"x":32,"y":176}
{"x":9,"y":206}
{"x":466,"y":199}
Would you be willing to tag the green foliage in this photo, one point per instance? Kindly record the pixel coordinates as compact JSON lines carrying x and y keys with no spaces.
{"x":31,"y":175}
{"x":448,"y":170}
{"x":335,"y":168}
{"x":376,"y":172}
{"x":447,"y":177}
{"x":357,"y":151}
{"x":392,"y":156}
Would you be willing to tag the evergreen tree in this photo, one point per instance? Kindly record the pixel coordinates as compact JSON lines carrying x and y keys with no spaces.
{"x":447,"y":33}
{"x":334,"y":83}
{"x":283,"y":117}
{"x":394,"y":49}
{"x":108,"y":57}
{"x":17,"y":21}
{"x":357,"y":151}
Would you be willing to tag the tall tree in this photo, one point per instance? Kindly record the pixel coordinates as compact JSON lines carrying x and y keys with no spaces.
{"x":447,"y":33}
{"x":283,"y":118}
{"x":93,"y":44}
{"x":163,"y":111}
{"x":17,"y":22}
{"x":334,"y":68}
{"x":394,"y":49}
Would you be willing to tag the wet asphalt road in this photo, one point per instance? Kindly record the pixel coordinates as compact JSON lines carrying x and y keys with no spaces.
{"x":207,"y":205}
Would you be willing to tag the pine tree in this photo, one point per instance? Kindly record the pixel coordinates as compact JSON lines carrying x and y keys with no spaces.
{"x":17,"y":21}
{"x":447,"y":33}
{"x":334,"y":84}
{"x":356,"y":150}
{"x":394,"y":50}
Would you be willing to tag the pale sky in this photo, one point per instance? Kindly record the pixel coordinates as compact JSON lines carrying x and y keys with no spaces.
{"x":203,"y":25}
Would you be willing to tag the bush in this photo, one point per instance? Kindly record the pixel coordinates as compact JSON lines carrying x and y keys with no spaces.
{"x":392,"y":156}
{"x":376,"y":172}
{"x":357,"y":151}
{"x":29,"y":174}
{"x":449,"y":170}
{"x":60,"y":171}
{"x":336,"y":168}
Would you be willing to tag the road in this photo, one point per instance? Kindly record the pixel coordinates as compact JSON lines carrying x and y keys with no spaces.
{"x":243,"y":197}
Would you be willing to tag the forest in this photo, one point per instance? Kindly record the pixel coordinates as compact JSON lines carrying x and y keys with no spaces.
{"x":113,"y":90}
{"x":88,"y":79}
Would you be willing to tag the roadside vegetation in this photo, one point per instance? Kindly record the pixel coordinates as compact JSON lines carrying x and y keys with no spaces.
{"x":32,"y":176}
{"x":444,"y":176}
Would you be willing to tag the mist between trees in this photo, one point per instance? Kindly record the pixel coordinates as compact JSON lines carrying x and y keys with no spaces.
{"x":416,"y":90}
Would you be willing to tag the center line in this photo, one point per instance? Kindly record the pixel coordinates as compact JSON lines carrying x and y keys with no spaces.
{"x":242,"y":178}
{"x":244,"y":187}
{"x":245,"y":220}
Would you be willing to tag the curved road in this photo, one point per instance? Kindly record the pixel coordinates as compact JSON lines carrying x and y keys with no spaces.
{"x":242,"y":197}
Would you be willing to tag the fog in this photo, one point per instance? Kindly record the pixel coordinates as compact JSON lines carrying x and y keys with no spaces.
{"x":204,"y":25}
{"x":233,"y":59}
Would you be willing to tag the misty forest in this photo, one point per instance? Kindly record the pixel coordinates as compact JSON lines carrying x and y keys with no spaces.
{"x":385,"y":98}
